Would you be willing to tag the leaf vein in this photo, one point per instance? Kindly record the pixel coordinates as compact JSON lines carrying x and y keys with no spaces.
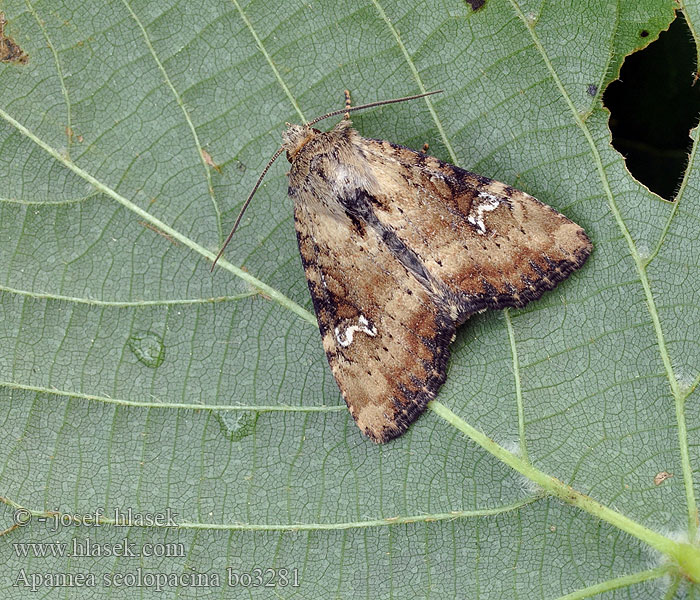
{"x":417,"y":77}
{"x":185,"y":112}
{"x":281,"y":527}
{"x":126,"y":303}
{"x":59,"y":72}
{"x":677,"y":200}
{"x":284,"y":408}
{"x":618,"y":582}
{"x":518,"y":389}
{"x":269,"y":60}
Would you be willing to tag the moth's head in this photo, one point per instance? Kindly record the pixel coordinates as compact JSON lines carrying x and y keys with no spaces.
{"x":295,"y":138}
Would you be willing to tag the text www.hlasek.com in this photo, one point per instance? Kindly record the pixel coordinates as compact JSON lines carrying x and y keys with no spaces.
{"x":87,"y":548}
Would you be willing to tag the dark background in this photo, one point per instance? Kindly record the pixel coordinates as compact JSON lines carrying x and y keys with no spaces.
{"x":654,"y":105}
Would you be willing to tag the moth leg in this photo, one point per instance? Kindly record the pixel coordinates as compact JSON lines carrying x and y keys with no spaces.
{"x":348,"y":104}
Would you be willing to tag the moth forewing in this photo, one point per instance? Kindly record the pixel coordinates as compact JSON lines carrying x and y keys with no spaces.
{"x":399,"y":248}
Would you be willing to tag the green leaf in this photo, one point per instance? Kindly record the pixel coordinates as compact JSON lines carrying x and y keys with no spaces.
{"x":132,"y":378}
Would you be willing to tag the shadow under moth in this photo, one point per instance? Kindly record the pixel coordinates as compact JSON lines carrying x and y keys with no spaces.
{"x":399,"y":249}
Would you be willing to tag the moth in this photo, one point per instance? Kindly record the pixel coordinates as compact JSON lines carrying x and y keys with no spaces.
{"x":399,"y":249}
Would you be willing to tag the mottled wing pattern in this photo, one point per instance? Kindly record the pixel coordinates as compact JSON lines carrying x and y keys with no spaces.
{"x":491,"y":245}
{"x":399,"y":248}
{"x":385,"y":337}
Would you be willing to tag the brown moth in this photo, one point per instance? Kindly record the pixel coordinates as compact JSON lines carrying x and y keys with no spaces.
{"x":399,"y":249}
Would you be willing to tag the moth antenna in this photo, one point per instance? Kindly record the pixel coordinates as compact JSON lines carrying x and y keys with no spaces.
{"x":245,"y":205}
{"x":348,"y":104}
{"x":349,"y":109}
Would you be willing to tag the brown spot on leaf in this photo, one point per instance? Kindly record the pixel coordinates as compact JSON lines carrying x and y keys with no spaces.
{"x":208,"y":159}
{"x":661,"y":477}
{"x":10,"y":52}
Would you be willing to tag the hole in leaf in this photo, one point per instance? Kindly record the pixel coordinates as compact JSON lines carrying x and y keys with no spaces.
{"x":476,"y":4}
{"x":653,"y":106}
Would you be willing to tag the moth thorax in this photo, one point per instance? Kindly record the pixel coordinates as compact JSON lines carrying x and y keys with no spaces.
{"x":295,"y":138}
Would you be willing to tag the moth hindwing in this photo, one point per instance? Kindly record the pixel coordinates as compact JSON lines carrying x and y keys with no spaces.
{"x":399,"y":249}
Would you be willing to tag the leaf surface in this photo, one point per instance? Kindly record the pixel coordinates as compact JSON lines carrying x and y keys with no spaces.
{"x":132,"y":378}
